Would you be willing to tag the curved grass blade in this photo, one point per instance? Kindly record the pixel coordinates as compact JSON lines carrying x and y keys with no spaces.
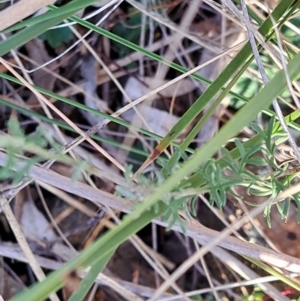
{"x":88,"y":281}
{"x":244,"y":116}
{"x":233,"y":67}
{"x":144,"y":212}
{"x":101,"y":249}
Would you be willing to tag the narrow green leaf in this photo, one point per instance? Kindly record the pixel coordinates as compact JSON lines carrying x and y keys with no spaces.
{"x":88,"y":281}
{"x":241,"y":59}
{"x":97,"y":251}
{"x":247,"y":114}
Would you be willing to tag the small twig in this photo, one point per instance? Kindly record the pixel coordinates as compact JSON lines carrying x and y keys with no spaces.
{"x":13,"y":251}
{"x":246,"y":20}
{"x":171,"y":25}
{"x":83,"y":135}
{"x":23,"y":243}
{"x":283,"y":62}
{"x":103,"y":123}
{"x":207,"y":273}
{"x":198,"y":231}
{"x":223,"y":236}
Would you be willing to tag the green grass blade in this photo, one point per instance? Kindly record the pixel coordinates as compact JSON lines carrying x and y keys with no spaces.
{"x":29,"y":33}
{"x":78,"y":105}
{"x":195,"y":130}
{"x":245,"y":115}
{"x":67,"y":9}
{"x":65,"y":126}
{"x":233,"y":67}
{"x":47,"y":20}
{"x":35,"y":30}
{"x":144,"y":212}
{"x":97,"y":251}
{"x":88,"y":281}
